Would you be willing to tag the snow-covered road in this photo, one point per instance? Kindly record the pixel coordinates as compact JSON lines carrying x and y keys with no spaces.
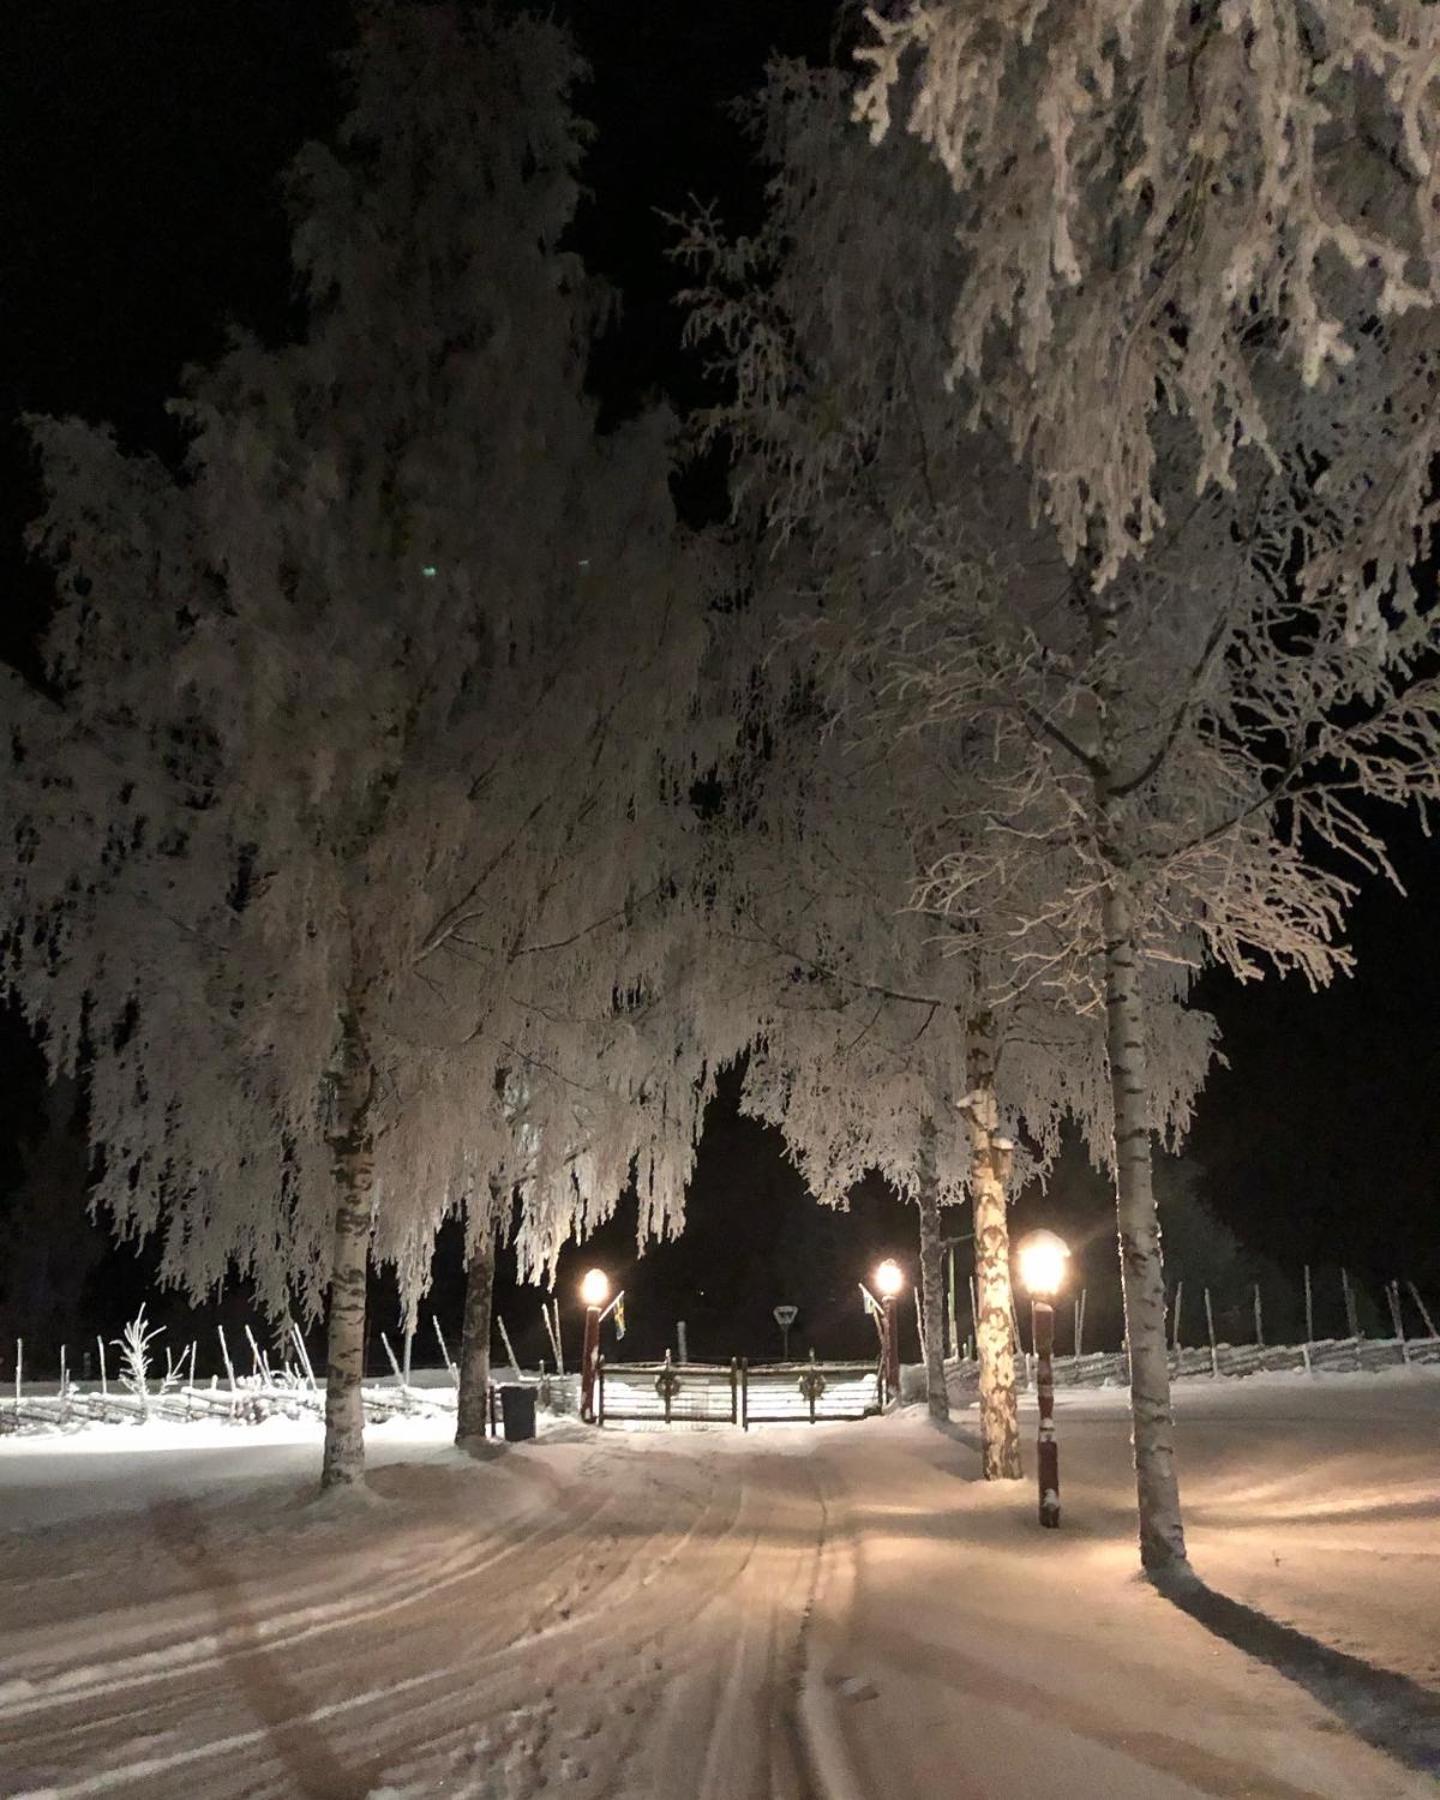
{"x":843,"y":1611}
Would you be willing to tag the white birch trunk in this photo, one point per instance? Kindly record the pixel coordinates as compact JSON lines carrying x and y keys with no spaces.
{"x":1142,"y":1275}
{"x":932,"y":1274}
{"x":994,"y":1343}
{"x":344,"y":1459}
{"x":473,"y":1404}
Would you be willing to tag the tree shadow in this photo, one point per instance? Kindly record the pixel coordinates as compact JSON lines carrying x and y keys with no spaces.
{"x":1049,"y":1705}
{"x":314,"y":1770}
{"x":957,"y":1433}
{"x":1390,"y":1712}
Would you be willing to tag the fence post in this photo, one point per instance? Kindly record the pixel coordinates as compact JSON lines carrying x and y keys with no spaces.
{"x":1392,"y":1294}
{"x":954,"y":1316}
{"x":509,"y":1347}
{"x":744,"y":1393}
{"x":600,"y":1393}
{"x":1424,"y":1310}
{"x":1210,"y":1328}
{"x":394,"y":1366}
{"x":224,"y":1352}
{"x":444,"y":1350}
{"x":1175,"y":1322}
{"x":1259,"y":1323}
{"x":1309,"y":1323}
{"x":549,"y":1324}
{"x":1080,"y":1324}
{"x":306,"y":1366}
{"x":1352,"y":1318}
{"x":734,"y":1391}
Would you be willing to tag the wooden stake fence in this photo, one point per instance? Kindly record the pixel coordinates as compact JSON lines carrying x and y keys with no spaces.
{"x":1210,"y":1328}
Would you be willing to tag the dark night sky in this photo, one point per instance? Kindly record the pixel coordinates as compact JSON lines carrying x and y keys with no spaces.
{"x":139,"y":213}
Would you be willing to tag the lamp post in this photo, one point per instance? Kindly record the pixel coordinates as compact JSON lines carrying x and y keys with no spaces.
{"x":1042,"y":1258}
{"x":889,"y":1280}
{"x":594,"y":1291}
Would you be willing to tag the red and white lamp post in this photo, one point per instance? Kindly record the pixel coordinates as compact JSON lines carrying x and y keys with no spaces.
{"x":1042,"y":1258}
{"x":594,"y":1291}
{"x":889,"y":1281}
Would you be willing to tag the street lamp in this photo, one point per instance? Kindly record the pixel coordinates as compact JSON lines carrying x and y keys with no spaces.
{"x":1042,"y":1258}
{"x":889,"y":1280}
{"x":594,"y":1291}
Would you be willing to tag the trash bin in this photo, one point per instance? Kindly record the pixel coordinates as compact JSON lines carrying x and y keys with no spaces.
{"x":517,"y":1411}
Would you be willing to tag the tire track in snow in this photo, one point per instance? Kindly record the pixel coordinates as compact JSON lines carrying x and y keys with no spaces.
{"x":170,"y":1618}
{"x":648,"y":1625}
{"x":814,"y":1716}
{"x":554,"y":1553}
{"x":710,"y":1663}
{"x":572,"y":1664}
{"x":617,"y":1662}
{"x":409,"y":1584}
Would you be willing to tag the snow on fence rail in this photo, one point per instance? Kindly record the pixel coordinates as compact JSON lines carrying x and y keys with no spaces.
{"x":1326,"y":1356}
{"x":250,"y":1401}
{"x":51,"y":1407}
{"x":132,"y":1387}
{"x":780,"y":1392}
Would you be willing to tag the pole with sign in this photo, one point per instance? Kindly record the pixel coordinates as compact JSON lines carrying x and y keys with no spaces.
{"x":785,"y":1317}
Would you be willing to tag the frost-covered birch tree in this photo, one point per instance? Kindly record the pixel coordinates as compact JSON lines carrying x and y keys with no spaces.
{"x":617,"y":1098}
{"x":1171,"y":209}
{"x":850,"y":460}
{"x":349,"y":792}
{"x":887,"y":1036}
{"x":855,"y":1015}
{"x":1171,"y":766}
{"x":1197,"y":284}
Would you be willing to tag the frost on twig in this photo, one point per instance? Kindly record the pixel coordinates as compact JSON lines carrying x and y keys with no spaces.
{"x":1163,"y":210}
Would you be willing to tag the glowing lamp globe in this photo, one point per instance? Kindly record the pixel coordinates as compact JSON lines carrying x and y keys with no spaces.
{"x":889,"y":1279}
{"x":595,"y":1287}
{"x":1042,"y":1258}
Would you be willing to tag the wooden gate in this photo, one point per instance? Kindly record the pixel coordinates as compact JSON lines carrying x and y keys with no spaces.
{"x":669,"y":1393}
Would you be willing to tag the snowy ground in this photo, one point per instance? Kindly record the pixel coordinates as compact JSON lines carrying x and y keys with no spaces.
{"x":840,"y":1611}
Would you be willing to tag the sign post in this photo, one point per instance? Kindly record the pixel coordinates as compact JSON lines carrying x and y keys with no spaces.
{"x":785,"y":1317}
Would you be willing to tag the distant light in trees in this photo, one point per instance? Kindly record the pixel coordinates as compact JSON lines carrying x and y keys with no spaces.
{"x":429,"y":571}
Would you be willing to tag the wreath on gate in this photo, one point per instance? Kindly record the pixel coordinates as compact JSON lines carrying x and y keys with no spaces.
{"x":812,"y":1382}
{"x":667,"y":1383}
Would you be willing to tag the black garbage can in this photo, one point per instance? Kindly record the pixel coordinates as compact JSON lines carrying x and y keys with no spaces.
{"x":517,"y":1412}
